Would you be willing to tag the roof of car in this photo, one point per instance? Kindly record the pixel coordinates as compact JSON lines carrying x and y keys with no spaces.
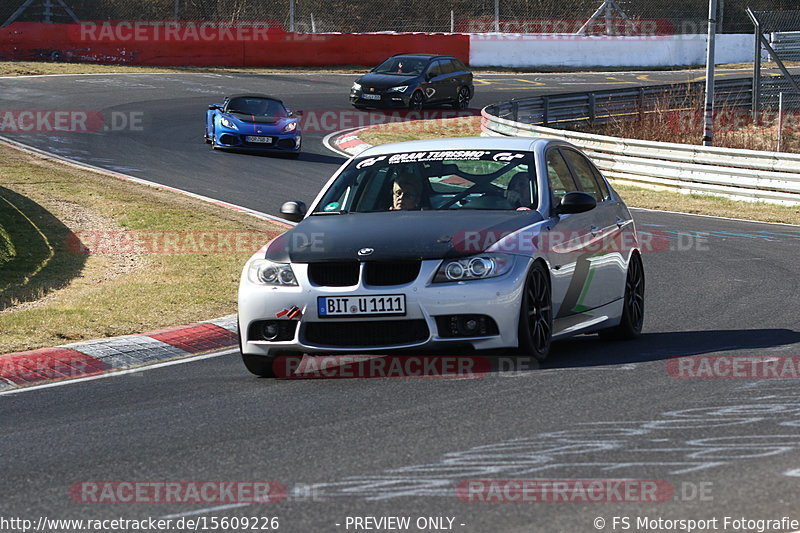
{"x":411,"y":54}
{"x":254,"y":95}
{"x":457,"y":143}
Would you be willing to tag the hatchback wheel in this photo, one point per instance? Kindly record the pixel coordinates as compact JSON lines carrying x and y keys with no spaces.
{"x":536,"y":314}
{"x":462,"y":100}
{"x":416,"y":101}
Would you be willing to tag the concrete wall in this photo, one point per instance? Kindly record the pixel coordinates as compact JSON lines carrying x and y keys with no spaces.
{"x":564,"y":50}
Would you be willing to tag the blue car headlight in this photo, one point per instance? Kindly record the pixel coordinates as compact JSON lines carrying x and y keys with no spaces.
{"x":291,"y":126}
{"x":474,"y":267}
{"x":266,"y":272}
{"x":228,"y":123}
{"x":398,"y":89}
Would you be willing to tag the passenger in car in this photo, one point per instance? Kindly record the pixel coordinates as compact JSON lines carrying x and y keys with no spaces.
{"x":518,"y":192}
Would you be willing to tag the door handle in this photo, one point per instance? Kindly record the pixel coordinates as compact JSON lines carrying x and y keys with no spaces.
{"x":620,"y":222}
{"x":594,"y":230}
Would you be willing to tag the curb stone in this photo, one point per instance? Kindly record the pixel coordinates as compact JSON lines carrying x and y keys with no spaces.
{"x":90,"y":358}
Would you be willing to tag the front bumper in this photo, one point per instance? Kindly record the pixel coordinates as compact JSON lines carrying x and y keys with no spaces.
{"x":497,"y":298}
{"x":387,"y":100}
{"x":282,"y":142}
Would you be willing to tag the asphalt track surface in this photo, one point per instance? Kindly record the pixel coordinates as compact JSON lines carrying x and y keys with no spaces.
{"x":398,"y":447}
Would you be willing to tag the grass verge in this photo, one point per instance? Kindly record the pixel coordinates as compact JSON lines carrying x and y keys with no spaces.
{"x":634,"y":196}
{"x":155,"y":258}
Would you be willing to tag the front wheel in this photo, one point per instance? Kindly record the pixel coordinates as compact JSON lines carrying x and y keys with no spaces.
{"x":630,"y":326}
{"x":260,"y":365}
{"x":416,"y":102}
{"x":536,"y":314}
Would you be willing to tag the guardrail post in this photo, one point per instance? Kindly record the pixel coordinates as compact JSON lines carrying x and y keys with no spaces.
{"x":515,"y":109}
{"x":545,"y":110}
{"x":592,"y":109}
{"x":641,"y":103}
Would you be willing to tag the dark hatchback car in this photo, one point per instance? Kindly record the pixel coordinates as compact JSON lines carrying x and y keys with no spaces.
{"x":412,"y":81}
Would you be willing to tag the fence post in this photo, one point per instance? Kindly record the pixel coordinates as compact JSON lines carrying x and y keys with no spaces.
{"x":592,"y":109}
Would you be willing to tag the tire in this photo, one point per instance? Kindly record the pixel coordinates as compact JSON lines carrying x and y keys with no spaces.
{"x":260,"y":365}
{"x":462,"y":100}
{"x":536,"y":314}
{"x":417,"y":101}
{"x":630,"y":326}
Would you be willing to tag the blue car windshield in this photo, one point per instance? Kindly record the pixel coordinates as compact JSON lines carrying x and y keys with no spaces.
{"x":258,"y":107}
{"x":434,"y":180}
{"x":402,"y":66}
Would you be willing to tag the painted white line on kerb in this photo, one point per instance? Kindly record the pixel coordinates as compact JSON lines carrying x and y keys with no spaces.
{"x":206,"y":510}
{"x":119,"y":372}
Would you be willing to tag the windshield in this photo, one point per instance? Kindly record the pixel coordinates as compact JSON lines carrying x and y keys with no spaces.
{"x":443,"y":180}
{"x":258,"y":107}
{"x":402,"y":66}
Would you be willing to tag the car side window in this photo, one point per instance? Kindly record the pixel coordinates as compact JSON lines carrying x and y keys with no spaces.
{"x":584,"y":175}
{"x":434,"y":70}
{"x":559,"y":176}
{"x":458,"y":65}
{"x":602,"y":183}
{"x":446,"y":66}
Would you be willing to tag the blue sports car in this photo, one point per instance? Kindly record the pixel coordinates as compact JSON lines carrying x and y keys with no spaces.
{"x":253,"y":122}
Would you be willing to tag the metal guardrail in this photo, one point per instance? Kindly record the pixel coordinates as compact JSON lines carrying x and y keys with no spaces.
{"x":743,"y":174}
{"x":786,"y":44}
{"x":599,"y":107}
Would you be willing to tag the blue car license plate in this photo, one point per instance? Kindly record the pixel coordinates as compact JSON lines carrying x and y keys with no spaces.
{"x":383,"y":304}
{"x":256,"y":139}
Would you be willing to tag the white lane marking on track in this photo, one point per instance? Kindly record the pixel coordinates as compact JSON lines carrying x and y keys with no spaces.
{"x":120,"y":175}
{"x":713,"y":216}
{"x":206,"y":510}
{"x":120,"y":372}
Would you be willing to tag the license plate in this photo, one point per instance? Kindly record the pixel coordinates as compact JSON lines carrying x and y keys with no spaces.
{"x":371,"y":96}
{"x":255,"y":139}
{"x":384,"y":304}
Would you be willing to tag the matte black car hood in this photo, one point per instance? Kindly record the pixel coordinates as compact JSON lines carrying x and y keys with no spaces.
{"x":395,"y":235}
{"x":384,"y":81}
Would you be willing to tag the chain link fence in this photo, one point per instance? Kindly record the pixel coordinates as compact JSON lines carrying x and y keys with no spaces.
{"x":349,"y":16}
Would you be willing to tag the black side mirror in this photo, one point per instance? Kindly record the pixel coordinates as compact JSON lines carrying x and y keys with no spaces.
{"x":294,"y":210}
{"x":213,"y":107}
{"x":576,"y":202}
{"x":429,"y":76}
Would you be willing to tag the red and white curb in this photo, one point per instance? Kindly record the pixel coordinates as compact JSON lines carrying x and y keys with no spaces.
{"x":350,"y":143}
{"x":90,"y":358}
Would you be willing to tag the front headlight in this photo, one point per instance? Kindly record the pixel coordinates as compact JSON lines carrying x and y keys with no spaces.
{"x":265,"y":272}
{"x":474,"y":267}
{"x":398,"y":89}
{"x":291,"y":126}
{"x":356,"y":86}
{"x":228,"y":123}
